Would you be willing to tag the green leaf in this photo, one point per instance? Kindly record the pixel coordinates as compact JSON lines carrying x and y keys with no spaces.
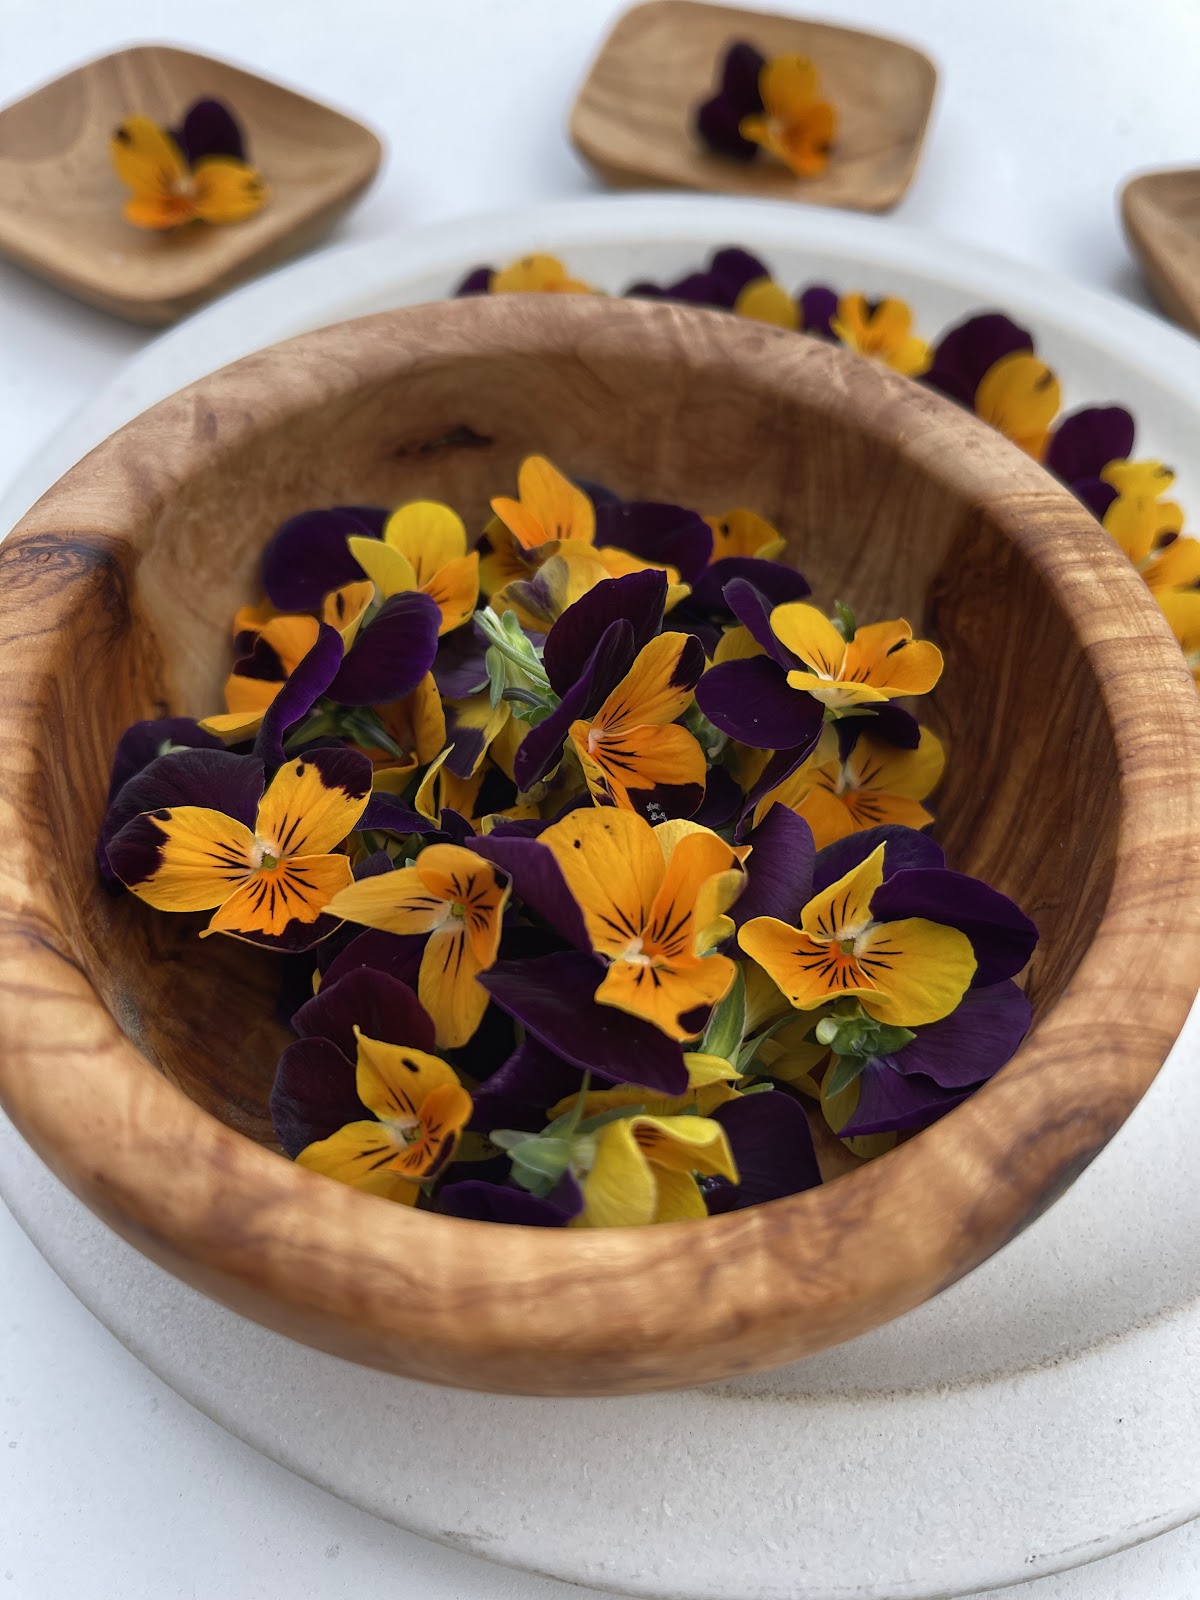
{"x":844,"y":621}
{"x":723,"y":1036}
{"x":497,"y":676}
{"x":538,"y":1163}
{"x":842,"y":1074}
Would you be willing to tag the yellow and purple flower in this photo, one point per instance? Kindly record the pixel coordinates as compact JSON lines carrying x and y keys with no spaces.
{"x":196,"y":173}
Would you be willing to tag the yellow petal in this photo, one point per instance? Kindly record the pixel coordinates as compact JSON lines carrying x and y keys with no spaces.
{"x":296,"y":890}
{"x":764,"y":300}
{"x":389,"y":570}
{"x":447,"y":984}
{"x":685,"y":1144}
{"x":1175,"y":566}
{"x":921,"y":970}
{"x":1020,"y":396}
{"x":362,"y":1155}
{"x":394,"y":1080}
{"x":429,"y":534}
{"x":536,"y":274}
{"x":550,"y":507}
{"x":678,"y":1197}
{"x":227,"y":190}
{"x":202,"y":856}
{"x":788,"y":85}
{"x":147,"y":160}
{"x":740,"y":532}
{"x":471,"y":886}
{"x":811,"y":637}
{"x":843,"y":910}
{"x":619,"y":1190}
{"x":910,"y":774}
{"x":300,"y":815}
{"x":613,"y":867}
{"x":827,"y":814}
{"x":397,"y":902}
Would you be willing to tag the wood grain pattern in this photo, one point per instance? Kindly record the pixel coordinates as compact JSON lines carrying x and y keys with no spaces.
{"x":633,"y":119}
{"x":60,"y":202}
{"x":1074,"y":784}
{"x":1161,"y":213}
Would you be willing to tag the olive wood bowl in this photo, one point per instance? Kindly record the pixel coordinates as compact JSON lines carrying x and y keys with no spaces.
{"x":137,"y":1060}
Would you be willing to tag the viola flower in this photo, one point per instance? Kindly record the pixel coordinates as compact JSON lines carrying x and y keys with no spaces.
{"x":795,"y":126}
{"x":741,"y":532}
{"x":420,"y":1110}
{"x":268,"y":871}
{"x":537,"y":274}
{"x":1138,"y":518}
{"x":880,"y":661}
{"x":643,"y":1169}
{"x":277,"y":648}
{"x":423,"y":547}
{"x":1020,"y":397}
{"x":764,"y":300}
{"x":1172,"y":566}
{"x":903,"y":972}
{"x":718,"y":285}
{"x":634,"y":741}
{"x":719,"y":119}
{"x":873,"y":783}
{"x":1082,"y":445}
{"x":882,"y":330}
{"x":197,"y":174}
{"x":653,"y":902}
{"x":458,"y":900}
{"x":968,"y":352}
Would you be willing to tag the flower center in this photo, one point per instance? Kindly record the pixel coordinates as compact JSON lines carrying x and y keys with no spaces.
{"x":457,"y":909}
{"x":635,"y":954}
{"x":405,"y":1130}
{"x":265,"y":855}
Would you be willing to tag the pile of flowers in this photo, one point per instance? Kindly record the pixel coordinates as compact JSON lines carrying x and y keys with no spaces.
{"x":599,"y":850}
{"x":987,"y":363}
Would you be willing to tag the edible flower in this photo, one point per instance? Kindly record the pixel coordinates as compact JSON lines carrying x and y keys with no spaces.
{"x":424,"y":547}
{"x":875,"y":783}
{"x":267,"y":879}
{"x":1020,"y":397}
{"x":420,"y":1110}
{"x":719,"y":119}
{"x":653,"y":901}
{"x":741,"y":532}
{"x":1138,"y":518}
{"x":796,"y":125}
{"x":458,"y":900}
{"x":882,"y":330}
{"x":643,"y":1169}
{"x":903,"y":973}
{"x":537,"y":274}
{"x":198,"y":173}
{"x":277,"y":649}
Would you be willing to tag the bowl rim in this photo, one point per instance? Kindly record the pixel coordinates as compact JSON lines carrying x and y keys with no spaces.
{"x":538,"y":1310}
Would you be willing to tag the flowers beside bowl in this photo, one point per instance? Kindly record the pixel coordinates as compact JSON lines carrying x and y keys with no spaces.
{"x":591,"y":888}
{"x":989,"y":364}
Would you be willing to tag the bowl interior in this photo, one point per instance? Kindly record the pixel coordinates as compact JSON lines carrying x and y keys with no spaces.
{"x":875,"y":490}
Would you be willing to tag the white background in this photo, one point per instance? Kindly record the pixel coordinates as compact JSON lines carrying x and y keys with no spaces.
{"x":109,"y":1484}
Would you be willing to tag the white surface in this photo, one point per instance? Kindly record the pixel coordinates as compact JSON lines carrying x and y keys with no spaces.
{"x":1043,"y":109}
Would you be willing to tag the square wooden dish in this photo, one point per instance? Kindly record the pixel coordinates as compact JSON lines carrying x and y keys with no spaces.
{"x":1161,"y":213}
{"x":60,"y":201}
{"x":634,"y":117}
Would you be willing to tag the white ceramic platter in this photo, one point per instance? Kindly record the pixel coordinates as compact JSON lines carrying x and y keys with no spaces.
{"x":1041,"y":1414}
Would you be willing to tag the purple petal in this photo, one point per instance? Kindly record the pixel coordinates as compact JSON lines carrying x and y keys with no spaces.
{"x":780,"y":768}
{"x":884,"y":720}
{"x":477,"y":281}
{"x":460,"y":667}
{"x":653,"y":530}
{"x":722,"y":800}
{"x":216,"y":779}
{"x":773,"y":580}
{"x":696,"y":289}
{"x":210,"y":129}
{"x":532,"y":1076}
{"x":1084,"y":443}
{"x":890,"y":1103}
{"x":494,"y":1202}
{"x":740,"y":72}
{"x":966,"y":353}
{"x":143,"y":742}
{"x":667,"y":801}
{"x":732,"y":267}
{"x":308,"y":555}
{"x":1003,"y":937}
{"x":779,"y":868}
{"x":387,"y":813}
{"x":541,"y":748}
{"x":973,"y":1042}
{"x":313,"y":1094}
{"x":379,"y":1005}
{"x":818,"y":307}
{"x":537,"y":880}
{"x":391,"y":654}
{"x":753,"y":703}
{"x":554,"y":998}
{"x":718,"y":124}
{"x":772,"y":1146}
{"x":752,"y":607}
{"x":905,"y":848}
{"x":638,"y":598}
{"x":1095,"y":494}
{"x":395,"y":955}
{"x":313,"y":675}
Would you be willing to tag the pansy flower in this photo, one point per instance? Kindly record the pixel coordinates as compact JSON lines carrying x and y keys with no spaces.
{"x":903,"y":972}
{"x":423,"y":547}
{"x":266,"y":864}
{"x":719,"y":284}
{"x":719,"y":119}
{"x":419,"y":1110}
{"x":198,"y":173}
{"x":764,"y":300}
{"x":644,"y":1169}
{"x":537,"y":274}
{"x":458,"y":900}
{"x":796,"y":125}
{"x":653,"y":902}
{"x":882,"y":330}
{"x":870,"y":783}
{"x":633,"y":741}
{"x":276,"y":649}
{"x":742,"y":532}
{"x":987,"y":363}
{"x":1082,"y":445}
{"x":1139,"y":518}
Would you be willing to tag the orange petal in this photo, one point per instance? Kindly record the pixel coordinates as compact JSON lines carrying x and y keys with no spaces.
{"x":808,"y":972}
{"x":454,"y":589}
{"x":613,"y":867}
{"x":301,"y":814}
{"x":202,"y":855}
{"x":447,"y":985}
{"x":662,"y":992}
{"x":148,"y":161}
{"x":550,"y":507}
{"x":296,"y":890}
{"x":462,"y":878}
{"x":651,"y":692}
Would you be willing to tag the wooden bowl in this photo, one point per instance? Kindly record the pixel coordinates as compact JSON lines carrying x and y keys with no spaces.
{"x":635,"y":114}
{"x":60,"y":201}
{"x":1161,"y":215}
{"x":137,"y":1060}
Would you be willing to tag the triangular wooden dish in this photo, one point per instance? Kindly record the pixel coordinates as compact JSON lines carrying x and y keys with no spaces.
{"x":1161,"y":213}
{"x":60,"y":202}
{"x":634,"y":117}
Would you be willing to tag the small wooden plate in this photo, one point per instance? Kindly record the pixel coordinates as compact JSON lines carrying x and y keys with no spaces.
{"x":1161,"y":213}
{"x":634,"y":118}
{"x":60,"y":201}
